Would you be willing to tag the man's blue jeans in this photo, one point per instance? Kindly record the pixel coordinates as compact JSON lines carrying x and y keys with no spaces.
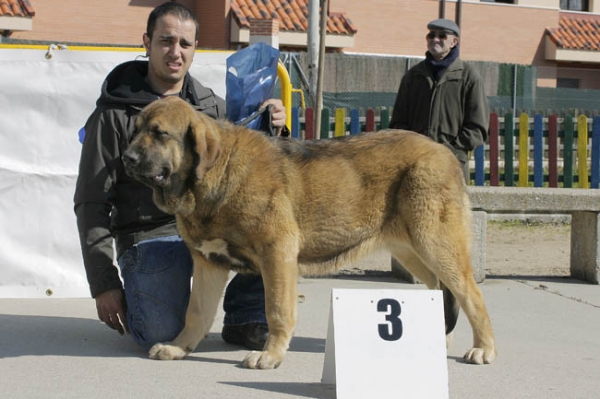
{"x":156,"y":275}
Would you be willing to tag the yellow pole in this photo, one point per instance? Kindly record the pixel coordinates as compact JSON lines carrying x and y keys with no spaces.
{"x":286,"y":92}
{"x":302,"y":102}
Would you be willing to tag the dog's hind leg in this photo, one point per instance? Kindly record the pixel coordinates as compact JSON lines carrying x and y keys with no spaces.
{"x":411,"y":262}
{"x":448,"y":257}
{"x":207,"y":288}
{"x":433,"y":217}
{"x":471,"y":301}
{"x":417,"y":268}
{"x":451,"y":309}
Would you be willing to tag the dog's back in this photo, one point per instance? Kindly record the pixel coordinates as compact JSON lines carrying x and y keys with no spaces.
{"x":369,"y":191}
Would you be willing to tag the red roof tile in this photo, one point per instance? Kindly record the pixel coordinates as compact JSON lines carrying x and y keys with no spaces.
{"x":292,"y":15}
{"x":16,"y":8}
{"x":580,"y":32}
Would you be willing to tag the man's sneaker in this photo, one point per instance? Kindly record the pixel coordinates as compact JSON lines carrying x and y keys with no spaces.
{"x":251,"y":335}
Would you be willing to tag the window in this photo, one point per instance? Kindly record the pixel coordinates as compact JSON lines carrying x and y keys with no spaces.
{"x":574,"y":5}
{"x":567,"y":83}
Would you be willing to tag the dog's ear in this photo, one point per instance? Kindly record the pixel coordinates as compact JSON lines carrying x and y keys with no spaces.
{"x":206,"y":143}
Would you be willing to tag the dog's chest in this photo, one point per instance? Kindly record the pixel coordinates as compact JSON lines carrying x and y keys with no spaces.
{"x":221,"y":253}
{"x":217,"y":248}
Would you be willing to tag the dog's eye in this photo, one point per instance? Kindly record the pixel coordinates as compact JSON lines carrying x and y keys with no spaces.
{"x":160,"y":133}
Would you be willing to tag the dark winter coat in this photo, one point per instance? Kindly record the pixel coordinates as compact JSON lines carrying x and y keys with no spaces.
{"x":452,"y":111}
{"x":108,"y":203}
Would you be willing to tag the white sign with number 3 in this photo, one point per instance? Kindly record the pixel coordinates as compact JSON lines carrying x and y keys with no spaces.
{"x":386,"y":344}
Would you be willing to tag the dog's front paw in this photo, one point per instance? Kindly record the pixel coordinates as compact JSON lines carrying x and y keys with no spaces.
{"x":262,"y":360}
{"x":479,"y":356}
{"x":166,"y":352}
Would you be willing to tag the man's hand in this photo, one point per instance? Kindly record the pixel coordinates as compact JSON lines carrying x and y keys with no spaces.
{"x":111,"y":310}
{"x":278,"y":115}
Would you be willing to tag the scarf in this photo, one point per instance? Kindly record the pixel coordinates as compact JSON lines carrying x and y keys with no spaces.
{"x":439,"y":67}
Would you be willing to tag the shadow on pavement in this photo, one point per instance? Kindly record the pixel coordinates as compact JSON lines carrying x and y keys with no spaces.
{"x":61,"y":336}
{"x":23,"y":335}
{"x":553,"y":279}
{"x":296,"y":389}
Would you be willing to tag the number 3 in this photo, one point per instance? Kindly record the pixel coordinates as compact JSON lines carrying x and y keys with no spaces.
{"x":392,"y":330}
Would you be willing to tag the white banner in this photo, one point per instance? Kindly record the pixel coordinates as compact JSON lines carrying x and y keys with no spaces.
{"x":43,"y":104}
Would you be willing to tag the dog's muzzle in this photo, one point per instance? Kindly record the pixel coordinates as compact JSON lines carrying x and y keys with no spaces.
{"x":131,"y":161}
{"x":134,"y":167}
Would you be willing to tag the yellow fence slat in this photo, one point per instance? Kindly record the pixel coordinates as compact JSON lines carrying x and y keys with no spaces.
{"x":340,"y":122}
{"x":523,"y":150}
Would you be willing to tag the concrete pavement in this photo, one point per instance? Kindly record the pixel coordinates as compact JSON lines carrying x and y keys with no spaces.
{"x":547,"y":331}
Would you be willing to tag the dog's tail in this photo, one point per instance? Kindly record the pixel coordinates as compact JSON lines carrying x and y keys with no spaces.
{"x":451,"y":308}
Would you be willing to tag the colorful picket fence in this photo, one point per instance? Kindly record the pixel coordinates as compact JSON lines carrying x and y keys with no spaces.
{"x":528,"y":151}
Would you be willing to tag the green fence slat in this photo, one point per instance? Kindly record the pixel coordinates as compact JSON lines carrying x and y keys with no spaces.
{"x":538,"y":151}
{"x":325,"y":123}
{"x":582,"y":152}
{"x":384,"y":119}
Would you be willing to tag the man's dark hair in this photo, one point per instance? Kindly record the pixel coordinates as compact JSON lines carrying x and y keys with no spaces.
{"x":170,"y":8}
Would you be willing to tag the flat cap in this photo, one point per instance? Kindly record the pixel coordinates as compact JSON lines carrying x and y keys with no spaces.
{"x":444,"y":24}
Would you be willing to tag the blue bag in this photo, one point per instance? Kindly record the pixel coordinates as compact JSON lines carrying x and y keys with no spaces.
{"x":250,"y":81}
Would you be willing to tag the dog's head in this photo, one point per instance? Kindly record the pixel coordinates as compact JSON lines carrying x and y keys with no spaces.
{"x":173,"y":146}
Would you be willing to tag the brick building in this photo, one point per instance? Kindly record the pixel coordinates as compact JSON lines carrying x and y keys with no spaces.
{"x":562,"y":37}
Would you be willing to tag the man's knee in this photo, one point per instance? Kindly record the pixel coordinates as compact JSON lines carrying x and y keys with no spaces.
{"x":149,"y":332}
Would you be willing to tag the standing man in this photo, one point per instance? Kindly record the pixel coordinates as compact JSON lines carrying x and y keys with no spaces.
{"x":155,"y":264}
{"x":442,"y":97}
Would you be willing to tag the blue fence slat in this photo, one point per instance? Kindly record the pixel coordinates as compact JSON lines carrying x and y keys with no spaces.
{"x":354,"y":121}
{"x":295,"y":123}
{"x":538,"y":151}
{"x":479,"y":166}
{"x":596,"y":152}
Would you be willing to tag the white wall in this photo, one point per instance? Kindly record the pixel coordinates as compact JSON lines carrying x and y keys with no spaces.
{"x":43,"y":104}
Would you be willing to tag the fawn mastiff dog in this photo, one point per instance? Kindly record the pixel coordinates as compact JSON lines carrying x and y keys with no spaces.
{"x":280,"y":208}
